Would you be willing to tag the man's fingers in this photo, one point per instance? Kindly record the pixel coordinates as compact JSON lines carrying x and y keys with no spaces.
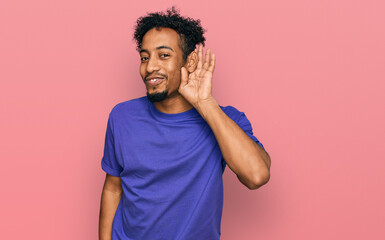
{"x":209,"y":63}
{"x":212,"y":63}
{"x":200,"y":53}
{"x":207,"y":59}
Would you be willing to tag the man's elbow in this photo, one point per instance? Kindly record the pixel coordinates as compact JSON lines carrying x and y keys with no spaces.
{"x":260,"y":179}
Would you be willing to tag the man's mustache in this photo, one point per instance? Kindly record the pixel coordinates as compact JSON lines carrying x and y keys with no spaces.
{"x":155,"y":74}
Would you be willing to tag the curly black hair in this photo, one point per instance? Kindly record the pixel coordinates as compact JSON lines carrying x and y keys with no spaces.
{"x":189,"y":30}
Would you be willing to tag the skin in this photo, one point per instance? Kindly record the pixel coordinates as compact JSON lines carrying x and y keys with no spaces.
{"x":189,"y":85}
{"x":161,"y":55}
{"x":111,"y":194}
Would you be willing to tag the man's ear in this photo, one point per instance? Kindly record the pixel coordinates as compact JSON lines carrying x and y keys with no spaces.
{"x":191,"y":62}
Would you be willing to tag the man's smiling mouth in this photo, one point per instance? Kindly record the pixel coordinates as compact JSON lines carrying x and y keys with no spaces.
{"x":153,"y":81}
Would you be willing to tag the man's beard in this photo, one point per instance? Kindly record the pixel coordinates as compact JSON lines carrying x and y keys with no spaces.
{"x":157,"y":97}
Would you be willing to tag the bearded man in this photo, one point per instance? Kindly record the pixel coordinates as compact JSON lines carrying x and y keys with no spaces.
{"x":165,"y":153}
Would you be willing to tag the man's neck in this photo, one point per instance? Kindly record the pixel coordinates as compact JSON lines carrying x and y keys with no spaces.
{"x":173,"y":104}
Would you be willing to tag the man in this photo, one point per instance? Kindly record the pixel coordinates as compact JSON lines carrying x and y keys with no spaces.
{"x":165,"y":153}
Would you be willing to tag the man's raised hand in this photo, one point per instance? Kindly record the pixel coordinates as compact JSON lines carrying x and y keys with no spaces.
{"x":196,"y":86}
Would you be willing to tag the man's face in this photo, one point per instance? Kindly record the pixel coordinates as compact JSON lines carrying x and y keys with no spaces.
{"x":161,"y":62}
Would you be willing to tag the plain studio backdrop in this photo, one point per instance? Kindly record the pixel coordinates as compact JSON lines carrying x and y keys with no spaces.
{"x":308,"y":74}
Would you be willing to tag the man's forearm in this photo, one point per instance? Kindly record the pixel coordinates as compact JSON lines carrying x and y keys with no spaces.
{"x":245,"y":157}
{"x":108,"y":205}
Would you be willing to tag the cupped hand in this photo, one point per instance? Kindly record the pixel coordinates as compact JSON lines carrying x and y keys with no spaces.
{"x":196,"y":86}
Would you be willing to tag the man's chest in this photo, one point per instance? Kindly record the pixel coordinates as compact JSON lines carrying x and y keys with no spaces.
{"x":144,"y":147}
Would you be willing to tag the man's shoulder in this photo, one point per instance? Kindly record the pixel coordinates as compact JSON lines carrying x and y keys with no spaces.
{"x":228,"y":109}
{"x":231,"y":112}
{"x":130,"y":106}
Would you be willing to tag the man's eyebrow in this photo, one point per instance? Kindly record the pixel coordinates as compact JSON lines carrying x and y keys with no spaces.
{"x":143,"y":50}
{"x":160,"y":47}
{"x":167,"y":47}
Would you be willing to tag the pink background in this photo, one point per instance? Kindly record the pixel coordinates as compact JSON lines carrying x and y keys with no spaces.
{"x":308,"y":74}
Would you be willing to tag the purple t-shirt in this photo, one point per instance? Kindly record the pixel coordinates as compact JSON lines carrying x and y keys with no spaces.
{"x":171,"y":169}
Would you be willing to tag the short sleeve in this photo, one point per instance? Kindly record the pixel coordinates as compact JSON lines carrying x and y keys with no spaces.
{"x":245,"y":124}
{"x":241,"y":120}
{"x":109,"y":161}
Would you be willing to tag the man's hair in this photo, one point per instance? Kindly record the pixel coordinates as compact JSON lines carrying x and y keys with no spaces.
{"x":189,"y":30}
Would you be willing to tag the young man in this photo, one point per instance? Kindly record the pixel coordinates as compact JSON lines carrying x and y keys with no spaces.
{"x":165,"y":153}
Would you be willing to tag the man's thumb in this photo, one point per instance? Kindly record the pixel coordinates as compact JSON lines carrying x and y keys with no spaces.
{"x":184,"y":77}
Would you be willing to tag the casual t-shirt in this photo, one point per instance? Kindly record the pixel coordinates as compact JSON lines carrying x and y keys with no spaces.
{"x":171,"y":169}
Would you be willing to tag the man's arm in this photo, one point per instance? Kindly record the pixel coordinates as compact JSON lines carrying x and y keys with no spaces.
{"x":249,"y":161}
{"x":246,"y":158}
{"x":111,"y":194}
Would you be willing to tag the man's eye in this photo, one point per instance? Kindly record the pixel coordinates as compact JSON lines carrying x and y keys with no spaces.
{"x":164,"y":55}
{"x":143,"y":59}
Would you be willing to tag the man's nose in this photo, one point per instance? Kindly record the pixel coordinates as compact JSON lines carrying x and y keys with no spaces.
{"x":152,"y":65}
